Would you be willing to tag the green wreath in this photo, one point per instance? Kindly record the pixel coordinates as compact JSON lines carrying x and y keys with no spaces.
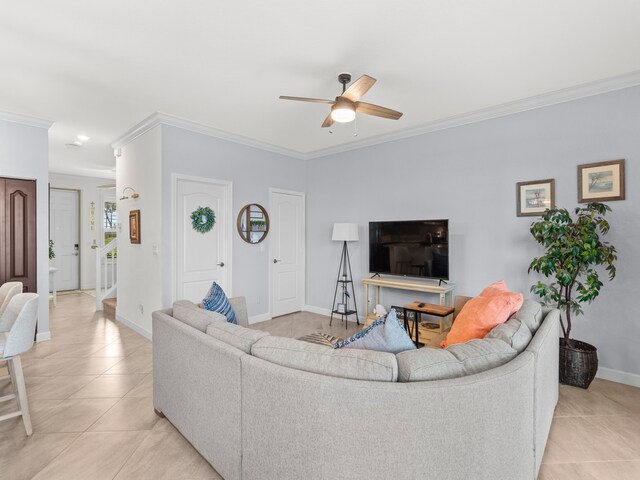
{"x":203,"y":219}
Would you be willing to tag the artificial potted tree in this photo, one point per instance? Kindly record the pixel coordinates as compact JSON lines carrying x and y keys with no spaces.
{"x":574,"y":250}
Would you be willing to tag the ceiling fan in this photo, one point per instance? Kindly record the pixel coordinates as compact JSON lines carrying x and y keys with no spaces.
{"x":345,"y":106}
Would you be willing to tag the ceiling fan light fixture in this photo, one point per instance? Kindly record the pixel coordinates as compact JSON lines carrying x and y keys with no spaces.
{"x":343,"y":112}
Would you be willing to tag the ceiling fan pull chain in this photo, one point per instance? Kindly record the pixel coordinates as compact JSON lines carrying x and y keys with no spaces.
{"x":355,"y":126}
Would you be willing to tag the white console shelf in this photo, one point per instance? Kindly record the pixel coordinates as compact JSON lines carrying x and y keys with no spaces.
{"x":404,"y":284}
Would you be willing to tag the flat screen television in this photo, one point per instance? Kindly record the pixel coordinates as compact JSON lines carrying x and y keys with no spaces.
{"x":411,"y":248}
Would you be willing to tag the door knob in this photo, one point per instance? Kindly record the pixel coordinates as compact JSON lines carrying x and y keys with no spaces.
{"x":221,"y":264}
{"x":276,"y":261}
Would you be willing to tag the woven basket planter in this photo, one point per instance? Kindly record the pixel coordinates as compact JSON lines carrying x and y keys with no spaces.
{"x":578,"y":363}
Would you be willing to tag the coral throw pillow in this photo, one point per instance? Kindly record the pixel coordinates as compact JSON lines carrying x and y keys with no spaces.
{"x":500,"y":288}
{"x":478,"y":316}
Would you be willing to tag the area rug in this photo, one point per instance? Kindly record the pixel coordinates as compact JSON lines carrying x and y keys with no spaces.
{"x":321,"y":339}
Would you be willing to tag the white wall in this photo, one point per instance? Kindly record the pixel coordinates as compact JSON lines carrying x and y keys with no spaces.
{"x":139,"y":269}
{"x":252,"y":172}
{"x":24,"y":154}
{"x":468,"y":175}
{"x":89,"y":192}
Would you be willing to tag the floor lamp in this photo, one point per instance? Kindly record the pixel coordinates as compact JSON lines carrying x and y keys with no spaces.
{"x":344,"y":232}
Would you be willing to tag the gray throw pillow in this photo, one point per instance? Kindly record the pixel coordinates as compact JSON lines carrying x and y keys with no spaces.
{"x":386,"y":334}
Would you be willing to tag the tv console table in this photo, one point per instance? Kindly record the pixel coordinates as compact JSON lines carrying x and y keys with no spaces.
{"x":443,"y":291}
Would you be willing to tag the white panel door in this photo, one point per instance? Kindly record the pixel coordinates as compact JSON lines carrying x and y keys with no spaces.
{"x":202,"y":258}
{"x":287,"y":252}
{"x":65,"y":233}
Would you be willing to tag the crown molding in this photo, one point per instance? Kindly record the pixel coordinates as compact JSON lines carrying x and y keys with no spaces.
{"x":26,"y":120}
{"x":531,"y":103}
{"x":544,"y":100}
{"x":160,"y":118}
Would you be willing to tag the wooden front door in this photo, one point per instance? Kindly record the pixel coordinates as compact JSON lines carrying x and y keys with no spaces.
{"x":18,"y":232}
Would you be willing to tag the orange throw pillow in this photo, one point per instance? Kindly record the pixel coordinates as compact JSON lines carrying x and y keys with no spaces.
{"x":495,"y":288}
{"x":478,"y":316}
{"x":500,"y":288}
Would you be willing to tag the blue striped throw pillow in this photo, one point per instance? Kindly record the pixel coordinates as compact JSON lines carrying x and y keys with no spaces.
{"x":217,"y":301}
{"x":384,"y":335}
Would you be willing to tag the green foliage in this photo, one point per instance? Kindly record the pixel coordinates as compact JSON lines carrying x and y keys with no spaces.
{"x":203,"y":219}
{"x":573,"y":250}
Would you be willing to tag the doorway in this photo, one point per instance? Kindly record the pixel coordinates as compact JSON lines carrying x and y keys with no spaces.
{"x":201,"y":257}
{"x":64,"y":231}
{"x":18,"y":251}
{"x":287,"y":249}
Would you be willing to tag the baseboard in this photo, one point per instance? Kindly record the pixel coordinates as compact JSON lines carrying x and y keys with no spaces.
{"x":134,"y":326}
{"x":619,"y":376}
{"x":43,"y":336}
{"x":324,"y":311}
{"x":263,"y":317}
{"x":319,"y":310}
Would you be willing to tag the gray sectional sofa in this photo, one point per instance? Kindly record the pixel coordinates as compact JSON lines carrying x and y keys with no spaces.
{"x":263,"y":407}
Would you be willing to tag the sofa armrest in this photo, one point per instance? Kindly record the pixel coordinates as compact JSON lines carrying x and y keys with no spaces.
{"x":239,"y":305}
{"x":458,"y":303}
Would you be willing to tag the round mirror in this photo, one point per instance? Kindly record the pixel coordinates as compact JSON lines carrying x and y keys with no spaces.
{"x":253,"y":223}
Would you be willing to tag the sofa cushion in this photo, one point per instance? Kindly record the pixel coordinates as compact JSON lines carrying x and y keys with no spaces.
{"x":386,"y":334}
{"x":345,"y":363}
{"x":458,"y":360}
{"x":478,"y":316}
{"x":531,"y":315}
{"x":217,"y":301}
{"x":189,"y":313}
{"x":235,"y":335}
{"x":514,"y":332}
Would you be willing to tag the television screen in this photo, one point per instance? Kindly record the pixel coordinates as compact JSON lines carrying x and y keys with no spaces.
{"x":414,"y":248}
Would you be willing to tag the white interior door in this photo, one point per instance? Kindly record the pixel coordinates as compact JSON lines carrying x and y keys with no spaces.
{"x":201,"y":258}
{"x":287,"y":252}
{"x":65,"y":233}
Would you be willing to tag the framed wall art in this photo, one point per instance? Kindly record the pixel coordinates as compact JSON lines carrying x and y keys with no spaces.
{"x":600,"y":182}
{"x":533,"y":198}
{"x":134,"y":226}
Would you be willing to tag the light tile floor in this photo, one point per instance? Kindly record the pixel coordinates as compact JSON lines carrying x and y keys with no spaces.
{"x":90,"y":393}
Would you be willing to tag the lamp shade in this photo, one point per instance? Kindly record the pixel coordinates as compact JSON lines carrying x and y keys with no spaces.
{"x":345,"y":232}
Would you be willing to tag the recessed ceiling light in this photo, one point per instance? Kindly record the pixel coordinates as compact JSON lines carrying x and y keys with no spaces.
{"x":77,"y":143}
{"x":83,"y":138}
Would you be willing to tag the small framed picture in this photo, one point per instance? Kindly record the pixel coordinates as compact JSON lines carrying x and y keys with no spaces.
{"x":342,"y":308}
{"x":534,"y":197}
{"x":602,"y":181}
{"x":134,"y":226}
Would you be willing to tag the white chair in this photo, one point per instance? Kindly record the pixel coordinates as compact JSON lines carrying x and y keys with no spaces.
{"x":7,"y":291}
{"x":23,"y":314}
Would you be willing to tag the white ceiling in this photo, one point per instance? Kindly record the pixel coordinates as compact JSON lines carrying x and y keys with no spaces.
{"x":98,"y":68}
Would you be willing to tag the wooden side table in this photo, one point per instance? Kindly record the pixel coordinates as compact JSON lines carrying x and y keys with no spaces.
{"x":441,"y":311}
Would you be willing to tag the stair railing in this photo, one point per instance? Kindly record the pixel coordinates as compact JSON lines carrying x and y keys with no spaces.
{"x":106,"y":267}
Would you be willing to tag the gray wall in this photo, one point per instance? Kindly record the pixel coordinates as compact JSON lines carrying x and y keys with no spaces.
{"x":252,"y":172}
{"x":468,"y":175}
{"x":24,"y":154}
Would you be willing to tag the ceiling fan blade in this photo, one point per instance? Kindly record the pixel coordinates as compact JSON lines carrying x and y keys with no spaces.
{"x":305,"y":99}
{"x":377,"y":110}
{"x":327,"y":121}
{"x":359,"y":88}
